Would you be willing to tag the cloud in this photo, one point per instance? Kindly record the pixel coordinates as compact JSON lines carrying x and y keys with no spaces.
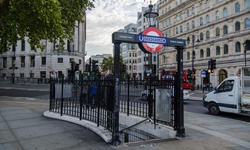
{"x":107,"y":17}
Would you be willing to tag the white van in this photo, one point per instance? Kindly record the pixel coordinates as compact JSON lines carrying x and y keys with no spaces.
{"x":232,"y":95}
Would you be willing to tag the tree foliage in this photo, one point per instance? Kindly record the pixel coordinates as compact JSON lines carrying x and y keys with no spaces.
{"x":108,"y":64}
{"x":38,"y":20}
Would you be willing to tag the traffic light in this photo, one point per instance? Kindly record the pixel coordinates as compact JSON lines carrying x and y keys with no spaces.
{"x":77,"y":67}
{"x":95,"y":65}
{"x":73,"y":66}
{"x":124,"y":68}
{"x":213,"y":64}
{"x":209,"y":64}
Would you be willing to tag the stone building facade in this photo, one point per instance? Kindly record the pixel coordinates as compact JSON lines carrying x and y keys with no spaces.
{"x":23,"y":61}
{"x":221,"y":31}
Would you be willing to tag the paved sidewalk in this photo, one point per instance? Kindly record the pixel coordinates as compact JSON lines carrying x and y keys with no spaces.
{"x":23,"y":127}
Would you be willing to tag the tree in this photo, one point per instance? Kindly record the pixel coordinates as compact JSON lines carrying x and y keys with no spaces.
{"x":51,"y":20}
{"x":108,"y":64}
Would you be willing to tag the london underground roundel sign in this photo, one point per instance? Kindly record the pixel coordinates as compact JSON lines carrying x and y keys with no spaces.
{"x":154,"y":32}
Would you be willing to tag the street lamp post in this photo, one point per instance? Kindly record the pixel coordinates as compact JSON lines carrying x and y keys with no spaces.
{"x":151,"y":17}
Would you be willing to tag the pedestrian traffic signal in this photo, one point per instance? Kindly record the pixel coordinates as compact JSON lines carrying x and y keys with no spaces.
{"x":76,"y":67}
{"x":73,"y":66}
{"x":213,"y":64}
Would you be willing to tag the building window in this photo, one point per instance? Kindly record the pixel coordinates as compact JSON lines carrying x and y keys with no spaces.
{"x":217,"y":50}
{"x":4,"y":62}
{"x":208,"y":52}
{"x":217,"y":15}
{"x":59,"y":60}
{"x":22,"y":61}
{"x":193,"y":24}
{"x":188,"y":40}
{"x":247,"y":4}
{"x":225,"y":12}
{"x":237,"y":26}
{"x":42,"y":74}
{"x":225,"y":29}
{"x":176,"y":30}
{"x":188,"y":26}
{"x":237,"y":47}
{"x":43,"y":60}
{"x":217,"y":31}
{"x":176,"y":18}
{"x":237,"y":7}
{"x":217,"y":1}
{"x":181,"y":30}
{"x":31,"y":75}
{"x":207,"y":19}
{"x":181,"y":16}
{"x":200,"y":6}
{"x":23,"y":45}
{"x":187,"y":13}
{"x":33,"y":48}
{"x":201,"y":53}
{"x":225,"y":49}
{"x":247,"y":23}
{"x":193,"y":10}
{"x":201,"y":36}
{"x":13,"y":48}
{"x":207,"y":35}
{"x":201,"y":21}
{"x":188,"y":55}
{"x":22,"y":75}
{"x":32,"y":61}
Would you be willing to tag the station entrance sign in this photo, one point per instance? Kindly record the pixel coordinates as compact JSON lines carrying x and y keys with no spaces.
{"x":152,"y":39}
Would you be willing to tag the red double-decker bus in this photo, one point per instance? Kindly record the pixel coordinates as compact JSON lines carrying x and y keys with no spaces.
{"x":187,"y":78}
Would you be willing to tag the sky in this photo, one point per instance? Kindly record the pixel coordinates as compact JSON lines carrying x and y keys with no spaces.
{"x":107,"y":17}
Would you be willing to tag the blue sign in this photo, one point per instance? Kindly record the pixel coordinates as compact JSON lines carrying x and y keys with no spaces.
{"x":203,"y":72}
{"x":152,"y":39}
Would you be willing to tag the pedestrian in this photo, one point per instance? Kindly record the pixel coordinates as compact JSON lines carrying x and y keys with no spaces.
{"x":211,"y":87}
{"x":204,"y":87}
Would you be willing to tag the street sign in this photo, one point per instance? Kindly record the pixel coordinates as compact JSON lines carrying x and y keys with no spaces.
{"x":176,"y":42}
{"x":153,"y":37}
{"x":203,"y":73}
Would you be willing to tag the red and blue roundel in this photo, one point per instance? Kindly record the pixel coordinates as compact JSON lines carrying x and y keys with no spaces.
{"x":152,"y":33}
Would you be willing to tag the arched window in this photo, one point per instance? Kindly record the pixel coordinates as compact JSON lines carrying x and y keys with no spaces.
{"x":188,"y":26}
{"x":201,"y":21}
{"x":207,"y":19}
{"x":207,"y":34}
{"x":188,"y":55}
{"x":247,"y":23}
{"x":217,"y":15}
{"x":208,"y":52}
{"x":217,"y":50}
{"x":201,"y":36}
{"x":217,"y":31}
{"x":225,"y":29}
{"x":225,"y":49}
{"x":225,"y":12}
{"x":188,"y":40}
{"x":193,"y":24}
{"x":237,"y":7}
{"x":23,"y":45}
{"x":201,"y":53}
{"x":237,"y":26}
{"x":237,"y":47}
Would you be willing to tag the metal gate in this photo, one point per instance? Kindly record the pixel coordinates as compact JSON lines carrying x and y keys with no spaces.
{"x":93,"y":99}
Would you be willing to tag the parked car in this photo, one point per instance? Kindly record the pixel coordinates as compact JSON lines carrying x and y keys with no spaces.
{"x":145,"y":93}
